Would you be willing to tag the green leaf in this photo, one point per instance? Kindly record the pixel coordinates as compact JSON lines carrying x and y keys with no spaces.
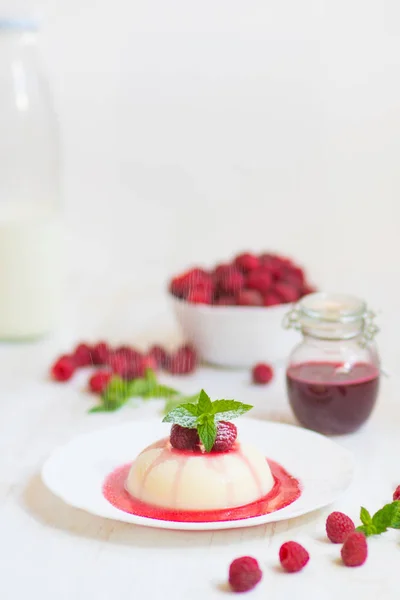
{"x":365,"y":517}
{"x":150,"y":376}
{"x":138,"y":387}
{"x":182,"y":415}
{"x":204,"y":404}
{"x":207,"y":432}
{"x":226,"y":410}
{"x":395,"y":520}
{"x":159,"y":391}
{"x":384,"y":517}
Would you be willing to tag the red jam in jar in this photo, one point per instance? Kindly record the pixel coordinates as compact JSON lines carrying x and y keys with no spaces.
{"x":333,"y":375}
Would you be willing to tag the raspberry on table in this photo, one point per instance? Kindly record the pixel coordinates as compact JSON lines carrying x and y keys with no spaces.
{"x":226,"y":436}
{"x":183,"y":361}
{"x":355,"y":549}
{"x":244,"y":574}
{"x":183,"y":438}
{"x":293,"y":557}
{"x":100,"y":353}
{"x":338,"y":527}
{"x":159,"y":354}
{"x":99,"y":381}
{"x":396,"y":493}
{"x":262,"y":373}
{"x":63,"y":368}
{"x":82,"y":355}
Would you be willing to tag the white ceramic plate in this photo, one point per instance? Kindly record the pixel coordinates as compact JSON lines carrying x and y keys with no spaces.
{"x":76,"y":471}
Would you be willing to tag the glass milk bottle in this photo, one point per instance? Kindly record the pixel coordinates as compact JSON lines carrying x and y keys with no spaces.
{"x":30,"y":234}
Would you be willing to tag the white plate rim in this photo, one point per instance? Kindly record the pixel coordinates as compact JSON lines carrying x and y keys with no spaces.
{"x":286,"y":513}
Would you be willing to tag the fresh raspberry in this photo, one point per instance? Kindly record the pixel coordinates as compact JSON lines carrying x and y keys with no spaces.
{"x":293,"y":275}
{"x":99,"y":381}
{"x":100,"y":353}
{"x":159,"y":354}
{"x":244,"y":574}
{"x":118,"y":364}
{"x":293,"y":556}
{"x":247,"y":262}
{"x":200,"y":295}
{"x":226,"y":436}
{"x":260,"y":280}
{"x":181,"y":286}
{"x":183,"y":361}
{"x":183,"y":438}
{"x":396,"y":493}
{"x":82,"y":356}
{"x":338,"y":526}
{"x":262,"y":373}
{"x":249,"y":298}
{"x":225,"y":300}
{"x":354,"y":550}
{"x":286,"y":292}
{"x":272,"y":299}
{"x":230,"y":281}
{"x":63,"y":368}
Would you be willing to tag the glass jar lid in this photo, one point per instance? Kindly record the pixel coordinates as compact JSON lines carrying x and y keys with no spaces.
{"x":332,"y":316}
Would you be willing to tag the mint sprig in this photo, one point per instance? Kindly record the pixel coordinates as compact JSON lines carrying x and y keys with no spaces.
{"x":204,"y":416}
{"x":388,"y":517}
{"x":118,"y":392}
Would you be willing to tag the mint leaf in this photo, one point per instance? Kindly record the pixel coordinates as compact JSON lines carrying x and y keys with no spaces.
{"x":384,"y":517}
{"x":365,"y":517}
{"x":150,"y":376}
{"x":160,"y":391}
{"x":395,"y":520}
{"x":183,"y":415}
{"x":226,"y":410}
{"x":138,"y":387}
{"x":204,"y":404}
{"x":207,"y":431}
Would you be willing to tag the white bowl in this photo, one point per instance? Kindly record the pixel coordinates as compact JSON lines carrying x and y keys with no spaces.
{"x":236,"y":336}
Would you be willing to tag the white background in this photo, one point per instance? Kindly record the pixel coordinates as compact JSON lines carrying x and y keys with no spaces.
{"x":193,"y":130}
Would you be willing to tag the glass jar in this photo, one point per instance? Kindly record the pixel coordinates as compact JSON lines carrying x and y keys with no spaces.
{"x":332,"y":376}
{"x":30,"y":236}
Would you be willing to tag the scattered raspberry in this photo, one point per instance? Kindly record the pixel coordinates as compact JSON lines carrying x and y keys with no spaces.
{"x":262,"y":373}
{"x":249,"y":298}
{"x":272,"y":299}
{"x":82,"y":356}
{"x":338,"y":526}
{"x":293,"y":557}
{"x":63,"y":368}
{"x":286,"y":292}
{"x":118,"y":364}
{"x":260,"y":280}
{"x":244,"y":574}
{"x":200,"y":295}
{"x":99,"y":381}
{"x":396,"y":493}
{"x":355,"y":550}
{"x":159,"y":354}
{"x":247,"y":262}
{"x":226,"y":436}
{"x":183,"y":361}
{"x":183,"y":438}
{"x":100,"y":353}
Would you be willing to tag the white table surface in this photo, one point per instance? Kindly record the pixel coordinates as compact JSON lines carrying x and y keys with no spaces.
{"x":49,"y":551}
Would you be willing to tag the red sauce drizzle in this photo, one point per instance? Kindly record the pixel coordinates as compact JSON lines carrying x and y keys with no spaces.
{"x":286,"y":490}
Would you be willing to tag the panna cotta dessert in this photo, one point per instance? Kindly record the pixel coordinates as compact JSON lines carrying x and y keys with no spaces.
{"x":201,"y":466}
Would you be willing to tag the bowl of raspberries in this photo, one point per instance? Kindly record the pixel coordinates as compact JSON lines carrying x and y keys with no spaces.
{"x":233,"y":313}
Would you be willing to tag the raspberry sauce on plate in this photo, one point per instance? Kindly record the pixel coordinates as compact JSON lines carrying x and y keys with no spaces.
{"x":286,"y":490}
